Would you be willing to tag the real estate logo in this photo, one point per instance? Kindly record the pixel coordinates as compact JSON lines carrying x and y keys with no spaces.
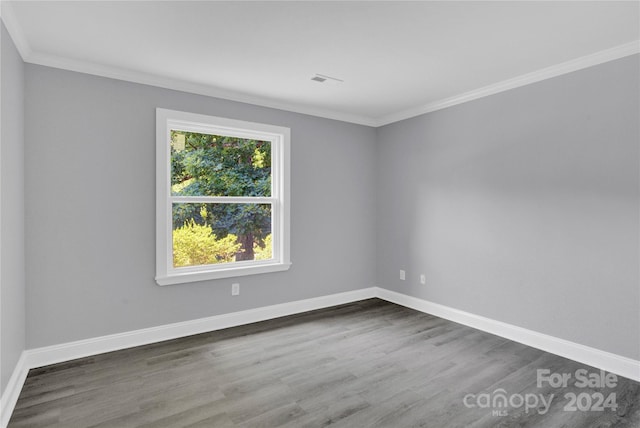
{"x":500,"y":401}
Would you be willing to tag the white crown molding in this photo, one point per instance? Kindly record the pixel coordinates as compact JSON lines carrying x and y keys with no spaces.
{"x":28,"y":55}
{"x":200,"y":89}
{"x":190,"y":87}
{"x":526,"y":79}
{"x":39,"y":58}
{"x":14,"y":29}
{"x":608,"y":361}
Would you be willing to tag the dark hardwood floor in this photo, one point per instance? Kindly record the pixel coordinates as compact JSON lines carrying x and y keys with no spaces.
{"x":366,"y":364}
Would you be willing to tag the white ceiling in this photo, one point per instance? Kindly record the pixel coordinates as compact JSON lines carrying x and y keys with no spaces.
{"x":397,"y":59}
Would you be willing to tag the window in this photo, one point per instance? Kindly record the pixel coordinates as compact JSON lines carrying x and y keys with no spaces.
{"x":222,"y":197}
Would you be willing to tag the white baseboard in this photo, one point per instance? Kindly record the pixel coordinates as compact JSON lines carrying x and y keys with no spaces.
{"x":82,"y":348}
{"x":12,"y":390}
{"x":39,"y":357}
{"x":613,"y":363}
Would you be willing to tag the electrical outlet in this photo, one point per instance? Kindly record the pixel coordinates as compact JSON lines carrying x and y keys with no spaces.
{"x":235,"y":289}
{"x":402,"y":275}
{"x":423,"y":279}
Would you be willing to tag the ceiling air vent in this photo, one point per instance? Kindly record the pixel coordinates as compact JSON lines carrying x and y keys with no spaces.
{"x":321,"y":78}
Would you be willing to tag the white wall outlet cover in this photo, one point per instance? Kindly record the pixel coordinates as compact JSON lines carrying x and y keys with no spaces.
{"x":423,"y":279}
{"x":402,"y":274}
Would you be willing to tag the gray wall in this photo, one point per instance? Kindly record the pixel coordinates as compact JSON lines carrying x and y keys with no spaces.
{"x":12,"y":276}
{"x":522,"y":206}
{"x":90,"y":207}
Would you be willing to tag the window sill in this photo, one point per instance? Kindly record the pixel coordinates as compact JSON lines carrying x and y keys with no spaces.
{"x":183,"y":277}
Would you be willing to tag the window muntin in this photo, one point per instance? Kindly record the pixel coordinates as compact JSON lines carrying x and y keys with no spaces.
{"x":227,"y":177}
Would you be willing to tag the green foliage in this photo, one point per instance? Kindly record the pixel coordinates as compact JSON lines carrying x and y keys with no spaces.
{"x":214,"y":165}
{"x":265,"y":251}
{"x":195,"y":244}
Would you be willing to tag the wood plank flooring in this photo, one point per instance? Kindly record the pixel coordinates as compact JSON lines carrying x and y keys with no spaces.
{"x":366,"y":364}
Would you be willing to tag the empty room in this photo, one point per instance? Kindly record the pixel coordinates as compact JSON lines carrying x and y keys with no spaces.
{"x":319,"y":213}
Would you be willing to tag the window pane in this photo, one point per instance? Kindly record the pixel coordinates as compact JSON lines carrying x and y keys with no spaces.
{"x":205,"y":234}
{"x":215,"y":165}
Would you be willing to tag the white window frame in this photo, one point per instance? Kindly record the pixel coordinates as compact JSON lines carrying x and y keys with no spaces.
{"x":167,"y":120}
